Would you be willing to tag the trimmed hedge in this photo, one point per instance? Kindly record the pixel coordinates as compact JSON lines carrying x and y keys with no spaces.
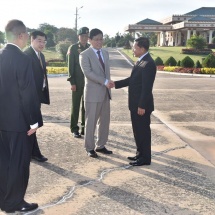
{"x":57,"y":64}
{"x":57,"y":70}
{"x":196,"y":51}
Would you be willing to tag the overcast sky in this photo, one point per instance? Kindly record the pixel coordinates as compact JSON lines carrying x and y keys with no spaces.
{"x":111,"y":16}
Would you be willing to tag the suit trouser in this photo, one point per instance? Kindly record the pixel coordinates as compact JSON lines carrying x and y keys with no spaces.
{"x":142,"y":134}
{"x":36,"y":150}
{"x":15,"y":156}
{"x":77,"y":99}
{"x":97,"y":113}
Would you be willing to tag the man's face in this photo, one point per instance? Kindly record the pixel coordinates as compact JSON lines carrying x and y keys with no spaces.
{"x":83,"y":38}
{"x":38,"y":43}
{"x":137,"y":51}
{"x":97,"y":41}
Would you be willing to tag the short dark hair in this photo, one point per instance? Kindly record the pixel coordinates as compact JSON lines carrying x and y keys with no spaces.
{"x":142,"y":42}
{"x":94,"y":32}
{"x":13,"y":28}
{"x":34,"y":34}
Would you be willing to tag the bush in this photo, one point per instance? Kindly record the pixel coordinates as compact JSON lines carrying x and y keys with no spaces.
{"x":187,"y":62}
{"x":196,"y":51}
{"x":54,"y":60}
{"x":57,"y":64}
{"x":57,"y":70}
{"x":209,"y":61}
{"x":179,"y":63}
{"x":198,"y":64}
{"x":62,"y":48}
{"x":158,"y":61}
{"x":170,"y":62}
{"x":197,"y":42}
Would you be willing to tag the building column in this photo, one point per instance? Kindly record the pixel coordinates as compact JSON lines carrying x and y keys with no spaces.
{"x":188,"y":34}
{"x":194,"y":32}
{"x":179,"y":39}
{"x":163,"y":42}
{"x":158,"y":39}
{"x":210,"y":36}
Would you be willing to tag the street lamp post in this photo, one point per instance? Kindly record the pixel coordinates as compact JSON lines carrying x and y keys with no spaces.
{"x":76,"y":18}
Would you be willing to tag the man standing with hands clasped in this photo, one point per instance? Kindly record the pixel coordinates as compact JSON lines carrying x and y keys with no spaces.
{"x":141,"y":102}
{"x":95,"y":64}
{"x":19,"y":117}
{"x":76,"y":79}
{"x":38,"y":41}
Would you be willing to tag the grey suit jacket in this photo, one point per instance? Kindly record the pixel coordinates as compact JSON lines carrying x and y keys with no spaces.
{"x":95,"y":76}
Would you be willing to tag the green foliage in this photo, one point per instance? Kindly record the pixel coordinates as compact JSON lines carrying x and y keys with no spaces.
{"x":66,"y":34}
{"x":187,"y":62}
{"x":57,"y":64}
{"x":198,"y":64}
{"x":178,"y":63}
{"x":2,"y":37}
{"x":209,"y":61}
{"x":170,"y":62}
{"x":197,"y":42}
{"x":158,"y":61}
{"x":62,"y":48}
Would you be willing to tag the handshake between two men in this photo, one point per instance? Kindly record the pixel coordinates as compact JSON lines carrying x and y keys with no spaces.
{"x":110,"y":84}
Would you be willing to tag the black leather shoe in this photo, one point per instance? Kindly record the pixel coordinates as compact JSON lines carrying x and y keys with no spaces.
{"x":104,"y":151}
{"x":92,"y":154}
{"x":132,"y":158}
{"x":139,"y":162}
{"x":39,"y":158}
{"x":28,"y":207}
{"x":76,"y":134}
{"x":25,"y":207}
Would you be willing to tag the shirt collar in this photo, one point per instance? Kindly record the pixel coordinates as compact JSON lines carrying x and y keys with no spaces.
{"x":14,"y":45}
{"x":37,"y":53}
{"x":143,"y":56}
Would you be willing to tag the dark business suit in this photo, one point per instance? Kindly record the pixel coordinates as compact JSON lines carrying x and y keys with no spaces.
{"x":39,"y":72}
{"x":140,"y":95}
{"x":19,"y":108}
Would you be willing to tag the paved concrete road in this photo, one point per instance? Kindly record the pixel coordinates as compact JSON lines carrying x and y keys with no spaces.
{"x":181,"y":179}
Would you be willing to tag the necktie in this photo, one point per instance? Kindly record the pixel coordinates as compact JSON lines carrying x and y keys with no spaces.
{"x":101,"y":61}
{"x":41,"y":63}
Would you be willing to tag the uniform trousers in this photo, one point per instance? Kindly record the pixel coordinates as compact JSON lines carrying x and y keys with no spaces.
{"x":142,"y":135}
{"x":77,"y":100}
{"x":15,"y":157}
{"x":97,"y":114}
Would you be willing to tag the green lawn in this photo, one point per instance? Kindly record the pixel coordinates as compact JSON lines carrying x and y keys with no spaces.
{"x":165,"y":52}
{"x":51,"y":54}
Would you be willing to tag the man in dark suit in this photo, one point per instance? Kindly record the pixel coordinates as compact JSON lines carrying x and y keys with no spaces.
{"x":38,"y":41}
{"x":19,"y":116}
{"x":141,"y":102}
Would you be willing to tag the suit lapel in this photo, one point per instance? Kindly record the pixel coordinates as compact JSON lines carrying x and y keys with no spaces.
{"x":96,"y":60}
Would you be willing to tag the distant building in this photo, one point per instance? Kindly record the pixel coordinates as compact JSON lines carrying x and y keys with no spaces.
{"x":177,"y":29}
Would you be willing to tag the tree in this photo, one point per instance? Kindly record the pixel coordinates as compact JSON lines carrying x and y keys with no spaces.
{"x":62,"y":48}
{"x":45,"y":27}
{"x":66,"y":34}
{"x":197,"y":42}
{"x":2,"y":37}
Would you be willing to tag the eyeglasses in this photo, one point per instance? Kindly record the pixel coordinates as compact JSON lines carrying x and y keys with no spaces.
{"x":41,"y":41}
{"x":98,"y":40}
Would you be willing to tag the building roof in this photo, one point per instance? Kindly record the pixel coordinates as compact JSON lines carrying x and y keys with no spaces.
{"x":149,"y":22}
{"x":201,"y":19}
{"x":203,"y":11}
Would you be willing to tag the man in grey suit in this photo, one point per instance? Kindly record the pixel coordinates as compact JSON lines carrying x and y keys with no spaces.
{"x":94,"y":63}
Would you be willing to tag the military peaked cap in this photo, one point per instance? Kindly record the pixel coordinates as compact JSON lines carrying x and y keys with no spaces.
{"x":83,"y":30}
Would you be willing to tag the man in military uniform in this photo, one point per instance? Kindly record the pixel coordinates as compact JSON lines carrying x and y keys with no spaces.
{"x":76,"y":79}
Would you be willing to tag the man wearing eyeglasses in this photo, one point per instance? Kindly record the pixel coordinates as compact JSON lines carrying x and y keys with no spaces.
{"x":38,"y":41}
